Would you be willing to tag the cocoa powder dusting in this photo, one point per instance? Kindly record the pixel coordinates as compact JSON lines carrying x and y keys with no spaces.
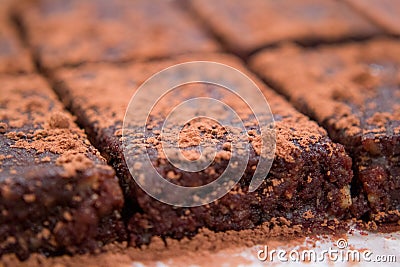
{"x":182,"y":252}
{"x":51,"y":129}
{"x":352,"y":90}
{"x":342,"y":86}
{"x":90,"y":87}
{"x":51,"y":176}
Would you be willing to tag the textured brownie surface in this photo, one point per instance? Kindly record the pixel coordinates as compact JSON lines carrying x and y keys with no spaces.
{"x":247,"y":25}
{"x":14,"y":58}
{"x":307,"y":185}
{"x":384,"y":13}
{"x":57,"y":195}
{"x":72,"y":32}
{"x":353,"y":91}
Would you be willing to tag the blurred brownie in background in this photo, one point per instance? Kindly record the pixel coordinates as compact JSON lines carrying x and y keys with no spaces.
{"x":245,"y":26}
{"x":384,"y":13}
{"x":14,"y":57}
{"x":57,"y":195}
{"x":68,"y":33}
{"x":352,"y":90}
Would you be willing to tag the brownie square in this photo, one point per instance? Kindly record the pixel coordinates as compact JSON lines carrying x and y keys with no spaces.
{"x":353,"y":91}
{"x":384,"y":13}
{"x":245,"y":26}
{"x":306,"y":189}
{"x":57,"y":195}
{"x":65,"y":33}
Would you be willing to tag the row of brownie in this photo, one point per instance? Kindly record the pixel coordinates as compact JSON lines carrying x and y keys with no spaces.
{"x":97,"y":95}
{"x":350,"y":90}
{"x":286,"y":193}
{"x":59,"y":196}
{"x":69,"y":33}
{"x":44,"y":202}
{"x":352,"y":93}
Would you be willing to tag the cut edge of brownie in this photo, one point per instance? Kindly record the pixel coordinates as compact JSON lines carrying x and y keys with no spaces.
{"x":57,"y":193}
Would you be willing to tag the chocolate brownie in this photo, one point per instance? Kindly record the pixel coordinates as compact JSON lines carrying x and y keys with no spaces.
{"x":353,"y":91}
{"x":308,"y":184}
{"x":14,"y":58}
{"x":384,"y":13}
{"x":246,"y":26}
{"x":73,"y":32}
{"x":57,"y":195}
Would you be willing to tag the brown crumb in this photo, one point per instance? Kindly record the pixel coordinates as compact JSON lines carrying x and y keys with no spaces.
{"x":172,"y":175}
{"x":308,"y":214}
{"x":46,"y":159}
{"x":67,"y":216}
{"x":59,"y":120}
{"x":29,"y":198}
{"x":3,"y":127}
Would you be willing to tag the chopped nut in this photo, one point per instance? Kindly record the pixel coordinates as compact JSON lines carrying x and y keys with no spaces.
{"x":67,"y":216}
{"x":29,"y":198}
{"x":59,"y":120}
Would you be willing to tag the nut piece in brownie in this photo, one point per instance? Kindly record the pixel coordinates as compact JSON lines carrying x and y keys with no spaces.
{"x":384,"y":13}
{"x":72,"y":32}
{"x":57,"y":195}
{"x":308,"y":184}
{"x":14,"y":58}
{"x":353,"y":90}
{"x":246,"y":26}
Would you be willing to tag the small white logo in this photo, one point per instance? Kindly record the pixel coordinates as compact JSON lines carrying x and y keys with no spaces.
{"x":341,"y":243}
